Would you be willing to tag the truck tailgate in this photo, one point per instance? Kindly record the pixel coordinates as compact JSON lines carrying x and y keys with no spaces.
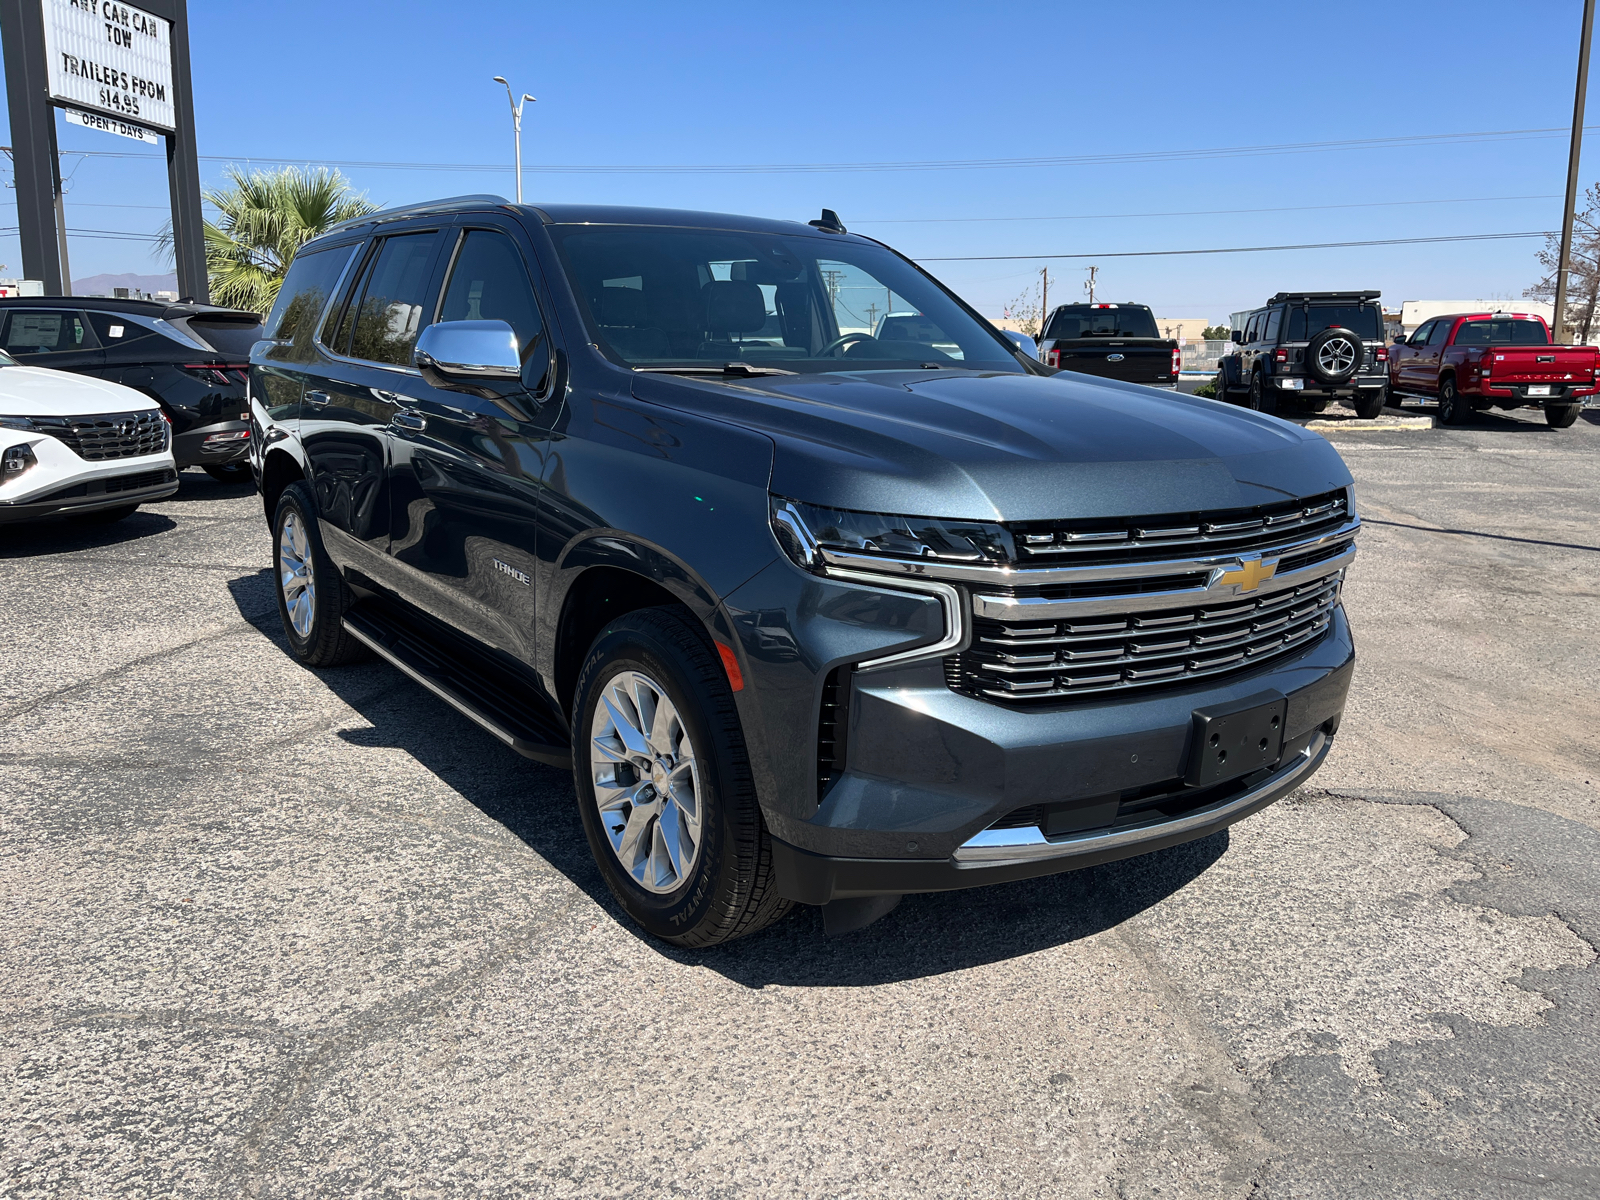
{"x":1147,"y":363}
{"x":1542,"y":364}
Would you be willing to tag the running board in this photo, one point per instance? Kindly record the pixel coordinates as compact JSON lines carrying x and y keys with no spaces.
{"x":484,"y":695}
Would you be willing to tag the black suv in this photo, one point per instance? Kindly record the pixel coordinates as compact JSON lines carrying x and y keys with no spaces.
{"x":1117,"y":341}
{"x":814,"y":615}
{"x":192,"y":359}
{"x":1307,"y":348}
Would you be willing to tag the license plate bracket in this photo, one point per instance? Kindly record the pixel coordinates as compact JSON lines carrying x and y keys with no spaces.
{"x":1236,"y":739}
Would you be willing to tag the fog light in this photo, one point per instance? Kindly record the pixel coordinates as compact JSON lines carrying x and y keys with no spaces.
{"x":15,"y":461}
{"x":1291,"y":385}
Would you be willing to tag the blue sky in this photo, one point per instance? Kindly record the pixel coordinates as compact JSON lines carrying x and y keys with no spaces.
{"x":821,"y":83}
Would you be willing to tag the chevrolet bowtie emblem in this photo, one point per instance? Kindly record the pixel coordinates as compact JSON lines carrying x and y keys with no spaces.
{"x":1250,"y":574}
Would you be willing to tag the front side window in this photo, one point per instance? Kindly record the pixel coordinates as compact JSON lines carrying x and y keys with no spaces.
{"x":48,"y":331}
{"x":1273,"y":323}
{"x":1420,"y":337}
{"x":385,"y":320}
{"x":672,"y":297}
{"x":488,"y":282}
{"x":1440,"y":332}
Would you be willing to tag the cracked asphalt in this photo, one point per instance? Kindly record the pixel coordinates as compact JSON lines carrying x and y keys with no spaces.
{"x":272,"y":932}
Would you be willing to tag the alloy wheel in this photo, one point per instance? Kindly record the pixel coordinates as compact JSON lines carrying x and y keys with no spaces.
{"x":295,"y":575}
{"x":646,"y":782}
{"x":1336,"y":356}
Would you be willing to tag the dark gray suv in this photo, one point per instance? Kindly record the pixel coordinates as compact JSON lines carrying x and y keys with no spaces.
{"x":814,"y":613}
{"x":1305,"y":349}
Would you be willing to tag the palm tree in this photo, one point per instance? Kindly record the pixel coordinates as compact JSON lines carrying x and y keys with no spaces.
{"x":264,"y":218}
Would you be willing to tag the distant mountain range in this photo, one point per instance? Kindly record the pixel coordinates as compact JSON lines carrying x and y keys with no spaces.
{"x":101,"y":285}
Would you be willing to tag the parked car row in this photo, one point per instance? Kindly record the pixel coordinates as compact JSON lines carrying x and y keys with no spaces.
{"x":1307,"y":349}
{"x":103,"y":402}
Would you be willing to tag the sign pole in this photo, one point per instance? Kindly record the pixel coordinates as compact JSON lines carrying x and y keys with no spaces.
{"x":183,"y":166}
{"x":33,"y":141}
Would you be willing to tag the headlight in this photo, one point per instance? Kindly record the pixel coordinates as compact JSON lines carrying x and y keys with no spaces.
{"x":806,"y":531}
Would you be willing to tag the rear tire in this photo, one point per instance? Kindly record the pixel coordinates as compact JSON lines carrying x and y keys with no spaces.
{"x":680,"y":841}
{"x":1452,"y":409}
{"x":1561,"y":416}
{"x":109,"y":516}
{"x":1370,"y":405}
{"x":233,"y":472}
{"x":1220,"y":387}
{"x":312,"y":595}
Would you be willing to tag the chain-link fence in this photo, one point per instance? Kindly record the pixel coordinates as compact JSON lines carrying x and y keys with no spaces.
{"x":1203,"y":356}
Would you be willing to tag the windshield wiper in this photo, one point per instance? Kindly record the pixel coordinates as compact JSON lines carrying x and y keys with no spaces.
{"x":738,"y":369}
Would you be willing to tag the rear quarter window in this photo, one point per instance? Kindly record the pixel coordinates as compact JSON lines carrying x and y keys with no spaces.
{"x":304,"y":294}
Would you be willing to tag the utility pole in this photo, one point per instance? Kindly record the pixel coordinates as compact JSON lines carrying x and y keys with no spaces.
{"x":1089,"y":286}
{"x":1564,"y":264}
{"x":1044,"y":298}
{"x":516,"y":127}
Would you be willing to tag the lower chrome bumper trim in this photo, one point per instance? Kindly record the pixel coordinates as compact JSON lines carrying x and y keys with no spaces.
{"x":991,"y":846}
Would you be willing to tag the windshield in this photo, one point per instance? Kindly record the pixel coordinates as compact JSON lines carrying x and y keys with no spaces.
{"x":1505,"y":332}
{"x":6,"y":360}
{"x":669,"y":298}
{"x":1360,"y":319}
{"x":1102,"y":320}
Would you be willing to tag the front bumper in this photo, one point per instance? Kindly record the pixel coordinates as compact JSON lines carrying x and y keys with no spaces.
{"x":1004,"y":855}
{"x":932,"y":771}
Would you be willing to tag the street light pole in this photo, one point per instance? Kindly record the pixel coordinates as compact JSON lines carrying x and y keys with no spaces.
{"x":516,"y":125}
{"x":1564,"y":263}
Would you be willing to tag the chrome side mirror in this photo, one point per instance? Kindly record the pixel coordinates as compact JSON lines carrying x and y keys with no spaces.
{"x":1022,"y":342}
{"x":458,"y":354}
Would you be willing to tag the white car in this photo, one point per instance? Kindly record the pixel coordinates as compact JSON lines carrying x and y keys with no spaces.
{"x":78,"y":446}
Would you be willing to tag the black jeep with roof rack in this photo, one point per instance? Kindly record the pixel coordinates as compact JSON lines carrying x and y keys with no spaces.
{"x":1308,"y":348}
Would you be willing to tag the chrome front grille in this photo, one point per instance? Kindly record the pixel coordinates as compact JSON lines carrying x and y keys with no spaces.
{"x":1171,"y":535}
{"x":1031,"y":660}
{"x":107,"y":435}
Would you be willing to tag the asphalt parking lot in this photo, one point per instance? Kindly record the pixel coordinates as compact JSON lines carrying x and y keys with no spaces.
{"x":271,"y":932}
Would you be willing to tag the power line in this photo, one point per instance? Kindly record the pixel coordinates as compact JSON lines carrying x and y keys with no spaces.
{"x":1199,"y":212}
{"x":1463,"y":237}
{"x":966,"y":164}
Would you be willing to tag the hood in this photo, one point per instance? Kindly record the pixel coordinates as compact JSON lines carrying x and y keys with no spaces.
{"x":1006,"y":447}
{"x":39,"y":392}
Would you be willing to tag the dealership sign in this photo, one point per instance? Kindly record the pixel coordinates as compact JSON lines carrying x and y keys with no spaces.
{"x":116,"y":125}
{"x":110,"y":58}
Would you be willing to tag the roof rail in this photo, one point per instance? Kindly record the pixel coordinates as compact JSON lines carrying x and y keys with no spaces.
{"x":448,"y":204}
{"x":1281,"y":297}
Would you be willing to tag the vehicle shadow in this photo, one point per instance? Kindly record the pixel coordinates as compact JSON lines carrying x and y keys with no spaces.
{"x":926,"y":935}
{"x":195,"y":484}
{"x":63,"y":535}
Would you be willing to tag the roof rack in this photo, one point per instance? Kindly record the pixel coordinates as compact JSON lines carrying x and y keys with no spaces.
{"x":1358,"y":297}
{"x":449,"y":204}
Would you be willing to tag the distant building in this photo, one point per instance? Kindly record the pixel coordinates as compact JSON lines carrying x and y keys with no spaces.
{"x":1414,"y":312}
{"x":21,"y":287}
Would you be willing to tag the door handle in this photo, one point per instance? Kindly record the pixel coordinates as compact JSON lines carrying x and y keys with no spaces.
{"x":409,"y":421}
{"x":316,"y":399}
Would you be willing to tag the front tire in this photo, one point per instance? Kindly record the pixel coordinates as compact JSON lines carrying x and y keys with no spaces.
{"x":664,"y":785}
{"x":1452,"y":409}
{"x":1561,"y":416}
{"x":312,"y":595}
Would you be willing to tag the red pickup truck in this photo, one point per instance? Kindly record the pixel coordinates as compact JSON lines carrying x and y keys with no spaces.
{"x":1491,"y":360}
